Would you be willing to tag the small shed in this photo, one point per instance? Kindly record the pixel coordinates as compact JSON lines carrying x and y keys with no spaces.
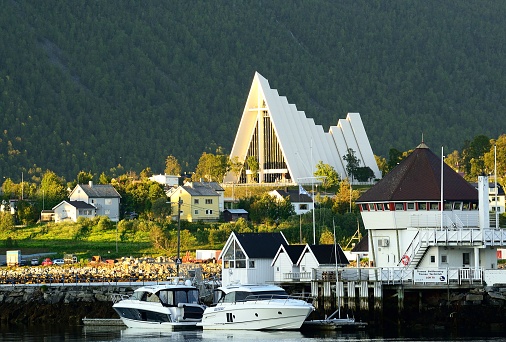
{"x":232,"y":215}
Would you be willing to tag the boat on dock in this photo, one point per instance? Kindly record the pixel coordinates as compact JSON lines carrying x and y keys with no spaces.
{"x":255,"y":307}
{"x":170,"y":306}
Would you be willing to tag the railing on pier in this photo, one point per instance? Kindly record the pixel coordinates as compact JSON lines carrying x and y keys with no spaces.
{"x":392,"y":275}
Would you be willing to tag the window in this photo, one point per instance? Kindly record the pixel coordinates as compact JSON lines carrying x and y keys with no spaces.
{"x":432,"y":258}
{"x":196,"y":211}
{"x":379,"y":206}
{"x":235,"y":258}
{"x":364,"y":207}
{"x":108,"y":201}
{"x":196,"y":201}
{"x":448,"y":205}
{"x":251,"y":264}
{"x":372,"y":207}
{"x":209,"y":201}
{"x":457,"y":206}
{"x":387,"y":206}
{"x":444,"y":258}
{"x":303,"y":206}
{"x":209,"y":211}
{"x":411,"y":206}
{"x":107,"y":211}
{"x":422,"y":206}
{"x":434,"y":206}
{"x":466,"y":259}
{"x":399,"y":206}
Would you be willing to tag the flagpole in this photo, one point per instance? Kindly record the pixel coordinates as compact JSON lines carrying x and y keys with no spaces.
{"x":442,"y":200}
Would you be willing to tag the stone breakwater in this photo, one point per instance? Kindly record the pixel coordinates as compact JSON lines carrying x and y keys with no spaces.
{"x":127,"y":270}
{"x":58,"y":304}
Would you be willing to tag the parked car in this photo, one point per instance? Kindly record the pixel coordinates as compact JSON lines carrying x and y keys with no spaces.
{"x":34,"y":262}
{"x":47,"y":262}
{"x":58,"y":262}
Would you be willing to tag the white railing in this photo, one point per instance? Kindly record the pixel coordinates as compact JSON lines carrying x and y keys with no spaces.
{"x":392,"y":275}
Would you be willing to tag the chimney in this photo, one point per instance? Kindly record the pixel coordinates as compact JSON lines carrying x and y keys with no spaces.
{"x":483,"y":204}
{"x":90,"y":183}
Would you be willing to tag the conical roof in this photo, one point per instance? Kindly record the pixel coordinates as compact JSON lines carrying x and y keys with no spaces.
{"x":418,"y":178}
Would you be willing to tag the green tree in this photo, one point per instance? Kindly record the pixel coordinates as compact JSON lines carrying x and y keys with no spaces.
{"x":254,"y":167}
{"x":344,"y":200}
{"x":52,"y":189}
{"x":146,"y":173}
{"x":104,"y":179}
{"x":326,"y":237}
{"x":364,"y":174}
{"x":172,"y":166}
{"x":352,"y":163}
{"x":6,"y":221}
{"x":84,"y":177}
{"x":496,"y":159}
{"x":211,"y":167}
{"x":235,"y":166}
{"x":327,"y":175}
{"x":160,"y":208}
{"x":473,"y":156}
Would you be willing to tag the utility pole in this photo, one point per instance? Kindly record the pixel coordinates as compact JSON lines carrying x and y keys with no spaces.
{"x":178,"y":260}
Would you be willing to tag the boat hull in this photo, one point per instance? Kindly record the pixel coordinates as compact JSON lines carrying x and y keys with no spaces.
{"x":256,"y":316}
{"x":136,"y":314}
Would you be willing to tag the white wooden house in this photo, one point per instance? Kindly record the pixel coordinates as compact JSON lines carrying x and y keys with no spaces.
{"x":103,"y":197}
{"x":301,"y":202}
{"x":246,"y":257}
{"x":285,"y":263}
{"x":321,"y":258}
{"x":71,"y":210}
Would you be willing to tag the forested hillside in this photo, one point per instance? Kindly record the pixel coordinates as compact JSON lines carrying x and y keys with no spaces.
{"x":88,"y":85}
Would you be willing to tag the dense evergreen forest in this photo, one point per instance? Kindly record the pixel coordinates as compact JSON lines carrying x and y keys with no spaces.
{"x":90,"y":85}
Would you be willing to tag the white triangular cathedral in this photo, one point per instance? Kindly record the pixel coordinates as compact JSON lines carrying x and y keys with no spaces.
{"x":287,"y":145}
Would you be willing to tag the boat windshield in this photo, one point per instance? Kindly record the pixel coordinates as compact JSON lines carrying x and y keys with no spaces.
{"x":241,"y":296}
{"x":174,"y":297}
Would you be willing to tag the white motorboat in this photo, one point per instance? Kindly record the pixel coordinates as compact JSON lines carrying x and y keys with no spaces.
{"x":169,"y":306}
{"x":255,"y":307}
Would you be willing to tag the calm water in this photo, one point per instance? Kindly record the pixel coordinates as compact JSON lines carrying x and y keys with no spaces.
{"x":79,"y":334}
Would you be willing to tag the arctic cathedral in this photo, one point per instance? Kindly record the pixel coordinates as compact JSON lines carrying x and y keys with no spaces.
{"x":277,"y":143}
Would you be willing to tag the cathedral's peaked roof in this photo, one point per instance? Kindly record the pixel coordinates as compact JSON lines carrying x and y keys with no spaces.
{"x":285,"y":141}
{"x":418,"y":177}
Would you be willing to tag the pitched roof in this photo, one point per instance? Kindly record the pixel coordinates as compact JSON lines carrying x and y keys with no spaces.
{"x":200,"y":191}
{"x":325,"y":254}
{"x":99,"y":190}
{"x":293,"y":251}
{"x":295,"y":196}
{"x":362,"y":246}
{"x":300,"y":140}
{"x":261,"y":245}
{"x":76,"y":204}
{"x":210,"y":185}
{"x":81,"y":205}
{"x":418,"y":177}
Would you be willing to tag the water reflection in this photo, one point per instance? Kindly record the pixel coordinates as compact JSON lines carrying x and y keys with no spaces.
{"x":111,"y":333}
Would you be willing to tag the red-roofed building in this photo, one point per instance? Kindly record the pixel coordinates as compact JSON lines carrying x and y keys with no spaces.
{"x":412,"y":224}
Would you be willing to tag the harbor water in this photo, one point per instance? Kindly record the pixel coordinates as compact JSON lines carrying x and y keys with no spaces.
{"x":110,"y":333}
